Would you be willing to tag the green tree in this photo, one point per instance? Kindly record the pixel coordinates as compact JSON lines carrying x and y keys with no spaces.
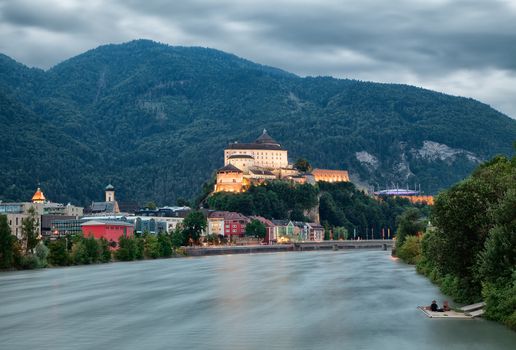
{"x":302,"y":165}
{"x":165,"y":246}
{"x":6,"y":244}
{"x":151,"y":205}
{"x":105,"y":250}
{"x":340,"y":233}
{"x":92,"y":250}
{"x":41,"y":253}
{"x":410,"y":223}
{"x":256,"y":229}
{"x":79,"y":254}
{"x":126,"y":249}
{"x":410,"y":250}
{"x":181,"y":202}
{"x":177,"y":238}
{"x":152,"y":247}
{"x":58,"y":253}
{"x":30,"y":230}
{"x":193,"y":226}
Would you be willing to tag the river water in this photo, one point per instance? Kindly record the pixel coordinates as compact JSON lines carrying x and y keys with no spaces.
{"x":308,"y":300}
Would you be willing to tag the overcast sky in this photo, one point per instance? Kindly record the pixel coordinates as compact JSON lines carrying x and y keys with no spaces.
{"x":460,"y":47}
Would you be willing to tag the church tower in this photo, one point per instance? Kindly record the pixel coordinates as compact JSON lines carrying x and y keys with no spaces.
{"x":110,"y":193}
{"x":38,"y":197}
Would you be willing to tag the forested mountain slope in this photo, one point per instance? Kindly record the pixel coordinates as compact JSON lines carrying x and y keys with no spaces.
{"x":154,"y":119}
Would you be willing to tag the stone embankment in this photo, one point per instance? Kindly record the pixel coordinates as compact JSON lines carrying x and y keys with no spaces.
{"x":292,"y":247}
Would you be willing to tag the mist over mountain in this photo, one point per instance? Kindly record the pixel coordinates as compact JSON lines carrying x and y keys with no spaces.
{"x":154,"y":119}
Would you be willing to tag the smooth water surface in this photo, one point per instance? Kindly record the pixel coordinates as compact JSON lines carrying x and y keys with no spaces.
{"x":309,"y":300}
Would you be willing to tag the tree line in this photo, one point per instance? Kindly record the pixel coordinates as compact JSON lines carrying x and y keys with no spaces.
{"x":31,"y":251}
{"x":469,"y":249}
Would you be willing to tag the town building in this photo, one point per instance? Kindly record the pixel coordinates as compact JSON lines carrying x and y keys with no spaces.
{"x":110,"y":230}
{"x":45,"y":212}
{"x":227,"y":223}
{"x":109,"y":206}
{"x":166,"y":219}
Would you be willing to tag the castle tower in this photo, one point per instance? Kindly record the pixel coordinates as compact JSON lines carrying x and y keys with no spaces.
{"x":110,"y":193}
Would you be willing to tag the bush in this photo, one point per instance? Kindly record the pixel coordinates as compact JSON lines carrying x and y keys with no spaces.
{"x":165,"y":246}
{"x":104,"y":250}
{"x":410,"y":250}
{"x":152,"y":247}
{"x":79,"y":253}
{"x":501,"y":302}
{"x":58,"y":253}
{"x":41,"y":254}
{"x":29,"y":262}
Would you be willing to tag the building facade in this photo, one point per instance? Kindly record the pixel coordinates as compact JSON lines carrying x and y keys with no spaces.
{"x":264,"y":152}
{"x":265,"y":160}
{"x":109,"y":230}
{"x":44,"y":211}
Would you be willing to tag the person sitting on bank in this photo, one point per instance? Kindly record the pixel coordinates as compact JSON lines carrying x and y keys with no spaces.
{"x":434,"y":307}
{"x":446,"y":306}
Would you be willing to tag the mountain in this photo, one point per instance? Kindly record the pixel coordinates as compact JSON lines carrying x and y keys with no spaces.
{"x":154,"y":119}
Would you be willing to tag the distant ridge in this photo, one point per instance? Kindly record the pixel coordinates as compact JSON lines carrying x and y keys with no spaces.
{"x":154,"y":119}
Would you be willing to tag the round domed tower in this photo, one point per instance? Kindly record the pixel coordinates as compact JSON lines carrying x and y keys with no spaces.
{"x":241,"y":161}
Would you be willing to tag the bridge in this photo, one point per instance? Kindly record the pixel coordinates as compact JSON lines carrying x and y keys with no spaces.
{"x":378,"y":244}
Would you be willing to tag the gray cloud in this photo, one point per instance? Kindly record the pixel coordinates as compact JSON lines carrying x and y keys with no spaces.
{"x":459,"y":47}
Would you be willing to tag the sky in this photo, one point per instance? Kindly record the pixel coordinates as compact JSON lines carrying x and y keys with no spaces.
{"x":459,"y":47}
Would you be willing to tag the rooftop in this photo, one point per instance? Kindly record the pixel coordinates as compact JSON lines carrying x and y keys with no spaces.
{"x":229,"y":167}
{"x":106,"y":222}
{"x":264,"y":142}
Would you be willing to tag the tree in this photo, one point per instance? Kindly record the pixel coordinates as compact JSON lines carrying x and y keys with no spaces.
{"x":193,"y":226}
{"x":92,"y":250}
{"x":181,"y":202}
{"x":6,"y":244}
{"x":58,"y":255}
{"x":340,"y":233}
{"x":256,"y":229}
{"x":79,"y":254}
{"x":302,"y":165}
{"x":177,"y":239}
{"x":126,"y":249}
{"x":41,"y":254}
{"x":105,"y":251}
{"x":409,"y":224}
{"x":151,"y":205}
{"x":165,"y":246}
{"x":152,"y":248}
{"x":30,"y":230}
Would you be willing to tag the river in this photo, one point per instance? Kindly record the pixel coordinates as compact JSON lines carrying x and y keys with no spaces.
{"x":308,"y":300}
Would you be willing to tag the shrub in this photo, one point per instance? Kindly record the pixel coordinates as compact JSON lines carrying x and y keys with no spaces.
{"x":58,"y":255}
{"x":41,"y":254}
{"x":410,"y":250}
{"x":29,"y":262}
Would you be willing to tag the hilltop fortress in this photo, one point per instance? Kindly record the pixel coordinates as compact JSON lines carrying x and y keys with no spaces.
{"x":262,"y":160}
